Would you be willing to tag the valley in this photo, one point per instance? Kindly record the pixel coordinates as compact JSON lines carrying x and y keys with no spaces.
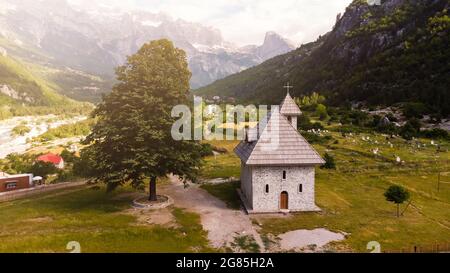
{"x":89,"y":97}
{"x":25,"y":91}
{"x":80,"y":48}
{"x":353,"y":209}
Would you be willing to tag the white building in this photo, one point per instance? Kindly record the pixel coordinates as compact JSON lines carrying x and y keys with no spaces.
{"x":278,"y":165}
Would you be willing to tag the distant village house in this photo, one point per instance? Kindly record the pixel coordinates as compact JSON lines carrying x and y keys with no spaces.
{"x":56,"y":160}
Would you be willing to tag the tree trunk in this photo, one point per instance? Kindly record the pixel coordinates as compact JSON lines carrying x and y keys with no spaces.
{"x":152,"y":189}
{"x":398,"y":210}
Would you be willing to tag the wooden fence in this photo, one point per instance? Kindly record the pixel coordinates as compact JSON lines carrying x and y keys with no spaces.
{"x":425,"y":165}
{"x":13,"y":195}
{"x":434,"y":248}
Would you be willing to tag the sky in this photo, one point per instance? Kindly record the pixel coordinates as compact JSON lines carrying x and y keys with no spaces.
{"x":246,"y":21}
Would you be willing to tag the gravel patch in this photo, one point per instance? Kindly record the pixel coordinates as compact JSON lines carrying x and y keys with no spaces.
{"x":301,"y":238}
{"x":223,"y":224}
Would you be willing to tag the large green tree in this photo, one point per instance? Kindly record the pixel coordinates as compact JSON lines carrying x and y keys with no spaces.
{"x":132,"y":139}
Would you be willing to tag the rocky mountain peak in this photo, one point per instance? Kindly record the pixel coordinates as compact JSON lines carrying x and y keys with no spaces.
{"x":274,"y":45}
{"x":272,"y":36}
{"x":374,"y":54}
{"x":96,"y":39}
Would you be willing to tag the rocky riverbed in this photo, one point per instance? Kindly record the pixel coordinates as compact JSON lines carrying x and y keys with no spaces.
{"x":10,"y":143}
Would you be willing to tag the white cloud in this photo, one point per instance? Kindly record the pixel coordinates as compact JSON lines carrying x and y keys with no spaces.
{"x":91,"y":4}
{"x":246,"y":21}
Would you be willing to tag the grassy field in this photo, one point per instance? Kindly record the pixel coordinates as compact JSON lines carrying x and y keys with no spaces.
{"x":351,"y":197}
{"x":225,"y":192}
{"x":225,"y":165}
{"x":97,"y":220}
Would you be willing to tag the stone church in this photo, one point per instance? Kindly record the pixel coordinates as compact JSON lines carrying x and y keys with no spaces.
{"x":278,"y":164}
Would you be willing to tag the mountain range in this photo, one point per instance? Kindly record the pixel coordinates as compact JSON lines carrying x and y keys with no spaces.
{"x":24,"y":92}
{"x":378,"y":54}
{"x":82,"y":46}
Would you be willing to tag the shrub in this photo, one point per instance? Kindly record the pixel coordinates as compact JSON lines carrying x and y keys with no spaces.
{"x":436,"y":118}
{"x":20,"y":130}
{"x":321,"y":111}
{"x":68,"y":157}
{"x":376,"y":119}
{"x":347,"y":129}
{"x":397,"y":195}
{"x":43,"y":169}
{"x":317,"y":126}
{"x":206,"y":150}
{"x":305,"y":124}
{"x":391,"y":117}
{"x":414,"y":110}
{"x":390,"y":128}
{"x":410,"y":129}
{"x":65,"y":176}
{"x":316,"y":139}
{"x":436,"y":133}
{"x":358,"y":117}
{"x":408,"y":132}
{"x":16,"y":163}
{"x":312,"y":100}
{"x":81,"y":128}
{"x":329,"y":162}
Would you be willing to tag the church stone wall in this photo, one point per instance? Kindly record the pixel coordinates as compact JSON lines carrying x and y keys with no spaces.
{"x":273,"y":176}
{"x":246,"y":183}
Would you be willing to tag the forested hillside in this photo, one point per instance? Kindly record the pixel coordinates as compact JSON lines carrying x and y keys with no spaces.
{"x":22,"y":92}
{"x":379,"y":54}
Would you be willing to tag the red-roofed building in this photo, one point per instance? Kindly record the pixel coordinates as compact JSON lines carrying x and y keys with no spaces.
{"x":57,"y":160}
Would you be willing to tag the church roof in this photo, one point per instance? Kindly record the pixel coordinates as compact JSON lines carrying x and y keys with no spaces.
{"x":289,"y":107}
{"x":278,"y":144}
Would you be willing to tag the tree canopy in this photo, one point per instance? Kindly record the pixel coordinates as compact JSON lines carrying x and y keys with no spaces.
{"x":131,"y":140}
{"x":397,"y":195}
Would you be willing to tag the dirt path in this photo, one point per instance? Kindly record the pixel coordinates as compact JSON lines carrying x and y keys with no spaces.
{"x":223,"y":224}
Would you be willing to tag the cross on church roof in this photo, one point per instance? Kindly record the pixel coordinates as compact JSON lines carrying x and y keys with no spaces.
{"x":288,"y":87}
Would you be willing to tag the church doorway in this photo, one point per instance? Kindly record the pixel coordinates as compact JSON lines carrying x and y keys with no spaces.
{"x":284,"y":200}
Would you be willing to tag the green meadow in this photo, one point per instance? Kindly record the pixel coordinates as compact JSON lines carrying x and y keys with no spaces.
{"x":99,"y":221}
{"x":351,"y":197}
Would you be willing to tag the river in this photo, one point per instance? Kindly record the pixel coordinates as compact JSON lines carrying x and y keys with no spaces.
{"x":38,"y":125}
